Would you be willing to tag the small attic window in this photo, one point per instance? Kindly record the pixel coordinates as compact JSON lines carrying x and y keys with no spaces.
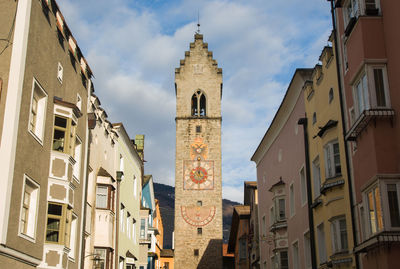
{"x":199,"y":104}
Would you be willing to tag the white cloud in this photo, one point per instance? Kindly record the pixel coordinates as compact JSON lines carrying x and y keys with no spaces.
{"x":133,"y":48}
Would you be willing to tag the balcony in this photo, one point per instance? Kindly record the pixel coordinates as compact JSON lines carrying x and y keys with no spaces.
{"x":282,"y":224}
{"x":378,"y":240}
{"x":365,"y":118}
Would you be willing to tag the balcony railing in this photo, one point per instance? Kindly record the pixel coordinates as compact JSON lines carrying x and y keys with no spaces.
{"x":365,"y":118}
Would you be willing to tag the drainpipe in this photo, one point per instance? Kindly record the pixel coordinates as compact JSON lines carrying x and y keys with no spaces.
{"x":119,"y":179}
{"x":346,"y":151}
{"x":303,"y":121}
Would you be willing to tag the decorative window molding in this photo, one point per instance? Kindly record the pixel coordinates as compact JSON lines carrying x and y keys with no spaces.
{"x":29,"y":209}
{"x":37,"y":115}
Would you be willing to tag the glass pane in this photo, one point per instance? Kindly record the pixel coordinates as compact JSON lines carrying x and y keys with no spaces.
{"x":55,"y":210}
{"x":379,"y":87}
{"x":343,"y":233}
{"x":393,"y":205}
{"x":378,"y":209}
{"x":281,"y":209}
{"x":60,"y":122}
{"x":371,"y":212}
{"x":53,"y":230}
{"x":58,"y":140}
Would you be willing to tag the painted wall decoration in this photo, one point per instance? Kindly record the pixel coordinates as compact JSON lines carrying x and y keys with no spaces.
{"x":198,"y":149}
{"x":198,"y":215}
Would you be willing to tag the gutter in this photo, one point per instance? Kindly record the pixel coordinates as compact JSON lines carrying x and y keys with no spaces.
{"x":303,"y":121}
{"x":346,"y":151}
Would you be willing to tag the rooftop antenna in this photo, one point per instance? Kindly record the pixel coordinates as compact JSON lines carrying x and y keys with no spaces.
{"x":198,"y":22}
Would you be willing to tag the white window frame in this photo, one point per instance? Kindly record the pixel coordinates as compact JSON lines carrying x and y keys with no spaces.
{"x":330,"y":162}
{"x":363,"y":6}
{"x":134,"y":186}
{"x":368,"y":98}
{"x":385,"y":203}
{"x":336,"y":231}
{"x":79,"y":101}
{"x":121,"y":217}
{"x":354,"y":11}
{"x":41,"y":111}
{"x":106,"y":195}
{"x":303,"y":185}
{"x":78,"y":159}
{"x":73,"y":235}
{"x":292,"y":197}
{"x":316,"y":169}
{"x":30,"y":235}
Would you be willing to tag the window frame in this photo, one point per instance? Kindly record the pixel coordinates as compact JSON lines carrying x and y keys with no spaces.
{"x":295,"y":255}
{"x":330,"y":162}
{"x":109,"y":195}
{"x":316,"y":167}
{"x":336,"y":235}
{"x":369,"y":94}
{"x":61,"y":218}
{"x":292,"y":203}
{"x":41,"y":112}
{"x":385,"y":203}
{"x":69,"y":135}
{"x":196,"y":104}
{"x":33,"y":205}
{"x":322,"y":255}
{"x":374,"y":189}
{"x":303,"y":186}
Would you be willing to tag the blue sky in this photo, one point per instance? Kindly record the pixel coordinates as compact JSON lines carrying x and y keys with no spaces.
{"x":133,"y":48}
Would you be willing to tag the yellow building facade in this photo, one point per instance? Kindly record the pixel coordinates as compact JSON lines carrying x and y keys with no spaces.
{"x":327,"y":161}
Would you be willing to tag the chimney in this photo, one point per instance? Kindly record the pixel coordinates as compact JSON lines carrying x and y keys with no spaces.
{"x":139,"y":142}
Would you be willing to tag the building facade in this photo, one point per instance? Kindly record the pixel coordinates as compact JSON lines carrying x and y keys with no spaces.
{"x":198,"y":184}
{"x":45,"y":86}
{"x":283,"y":208}
{"x":239,"y":236}
{"x":251,"y":199}
{"x":367,"y":39}
{"x":328,"y":167}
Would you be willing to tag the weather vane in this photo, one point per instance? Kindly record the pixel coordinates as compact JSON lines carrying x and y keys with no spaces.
{"x":198,"y":22}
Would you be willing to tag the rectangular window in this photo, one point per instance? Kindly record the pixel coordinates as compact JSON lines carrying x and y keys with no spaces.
{"x":271,"y":216}
{"x":339,"y":235}
{"x":102,"y":197}
{"x":121,"y":163}
{"x":74,"y":225}
{"x":303,"y":187}
{"x":316,"y":178}
{"x":282,"y":212}
{"x":56,"y":219}
{"x":321,"y":243}
{"x":375,"y":218}
{"x":283,"y":260}
{"x":128,"y":224}
{"x":307,"y":249}
{"x":393,"y":201}
{"x":121,"y":218}
{"x":60,"y":73}
{"x":291,"y":200}
{"x":142,"y":228}
{"x":29,"y":207}
{"x":199,"y":231}
{"x":37,"y":111}
{"x":77,"y":157}
{"x":361,"y":94}
{"x":101,"y":258}
{"x":332,"y":160}
{"x":295,"y":248}
{"x":134,"y":186}
{"x":350,"y":11}
{"x":133,"y":230}
{"x":64,"y":135}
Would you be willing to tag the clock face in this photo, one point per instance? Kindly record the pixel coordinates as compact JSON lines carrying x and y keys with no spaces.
{"x":198,"y":175}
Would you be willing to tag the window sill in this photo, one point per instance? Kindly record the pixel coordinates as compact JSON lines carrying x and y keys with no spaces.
{"x":316,"y":202}
{"x":27,"y":237}
{"x":278,"y":225}
{"x":39,"y":140}
{"x":365,"y":118}
{"x":332,"y":182}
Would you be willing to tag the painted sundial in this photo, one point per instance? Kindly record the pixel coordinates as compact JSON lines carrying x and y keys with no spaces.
{"x":198,"y":215}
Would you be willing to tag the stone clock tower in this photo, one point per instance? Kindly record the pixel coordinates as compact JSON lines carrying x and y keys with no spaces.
{"x":198,"y":181}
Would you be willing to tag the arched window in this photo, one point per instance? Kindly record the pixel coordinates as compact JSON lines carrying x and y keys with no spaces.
{"x":199,"y":104}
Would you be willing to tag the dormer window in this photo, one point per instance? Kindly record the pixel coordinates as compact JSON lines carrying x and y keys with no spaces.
{"x":199,"y":104}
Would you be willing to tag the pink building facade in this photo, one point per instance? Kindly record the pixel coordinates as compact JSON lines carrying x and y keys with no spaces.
{"x":283,"y":209}
{"x":368,"y":39}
